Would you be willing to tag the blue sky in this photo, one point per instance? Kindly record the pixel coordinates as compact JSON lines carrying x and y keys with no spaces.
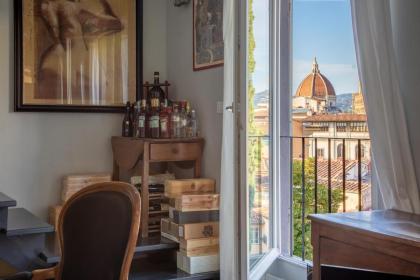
{"x":321,"y":28}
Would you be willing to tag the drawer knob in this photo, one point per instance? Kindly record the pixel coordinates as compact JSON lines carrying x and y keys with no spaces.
{"x":175,"y":150}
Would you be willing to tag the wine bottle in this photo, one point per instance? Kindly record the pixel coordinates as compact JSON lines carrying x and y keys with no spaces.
{"x":127,"y":122}
{"x":136,"y":114}
{"x":142,"y":118}
{"x":175,"y":122}
{"x":164,"y":120}
{"x":156,"y":91}
{"x":154,"y":117}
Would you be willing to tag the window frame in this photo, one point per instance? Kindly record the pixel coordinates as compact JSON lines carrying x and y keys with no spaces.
{"x":281,"y":78}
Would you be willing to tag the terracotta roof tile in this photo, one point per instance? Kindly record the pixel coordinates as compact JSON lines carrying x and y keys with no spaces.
{"x":336,"y":118}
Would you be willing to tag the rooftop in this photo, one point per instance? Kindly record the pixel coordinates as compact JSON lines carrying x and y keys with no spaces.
{"x":336,"y":118}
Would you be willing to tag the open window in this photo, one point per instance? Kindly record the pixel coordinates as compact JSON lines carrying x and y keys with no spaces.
{"x":306,"y":135}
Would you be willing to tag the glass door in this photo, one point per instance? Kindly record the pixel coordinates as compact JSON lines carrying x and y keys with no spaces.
{"x":258,"y":131}
{"x":256,"y":137}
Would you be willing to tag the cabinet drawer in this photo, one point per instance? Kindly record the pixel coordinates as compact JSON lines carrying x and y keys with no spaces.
{"x":175,"y":151}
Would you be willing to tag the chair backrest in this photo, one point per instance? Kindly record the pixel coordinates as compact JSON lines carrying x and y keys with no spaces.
{"x":98,"y":229}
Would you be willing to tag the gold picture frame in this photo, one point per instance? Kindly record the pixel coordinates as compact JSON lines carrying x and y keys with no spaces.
{"x":77,"y":56}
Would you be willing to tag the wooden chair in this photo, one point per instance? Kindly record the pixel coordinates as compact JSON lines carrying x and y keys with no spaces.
{"x":97,"y":230}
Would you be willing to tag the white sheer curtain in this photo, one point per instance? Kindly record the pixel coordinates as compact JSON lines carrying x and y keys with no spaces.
{"x":229,"y":264}
{"x":394,"y":165}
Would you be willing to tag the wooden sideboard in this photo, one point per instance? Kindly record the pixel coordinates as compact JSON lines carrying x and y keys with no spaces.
{"x":128,"y":152}
{"x":386,"y":241}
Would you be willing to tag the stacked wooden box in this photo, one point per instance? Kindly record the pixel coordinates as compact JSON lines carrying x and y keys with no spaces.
{"x":194,"y":223}
{"x":158,"y":204}
{"x":71,"y":184}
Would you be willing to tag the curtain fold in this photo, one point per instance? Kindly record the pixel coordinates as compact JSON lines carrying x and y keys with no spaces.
{"x":393,"y":163}
{"x":229,"y":264}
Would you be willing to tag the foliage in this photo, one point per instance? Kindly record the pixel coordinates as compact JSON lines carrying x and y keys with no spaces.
{"x":309,"y":204}
{"x":254,"y":152}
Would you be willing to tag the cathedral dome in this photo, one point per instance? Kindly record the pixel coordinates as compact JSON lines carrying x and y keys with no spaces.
{"x":315,"y":85}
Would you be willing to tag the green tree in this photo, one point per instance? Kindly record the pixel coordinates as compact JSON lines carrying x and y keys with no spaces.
{"x":336,"y":196}
{"x":254,"y":153}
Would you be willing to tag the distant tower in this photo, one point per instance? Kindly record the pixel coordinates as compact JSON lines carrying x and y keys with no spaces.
{"x":358,"y":105}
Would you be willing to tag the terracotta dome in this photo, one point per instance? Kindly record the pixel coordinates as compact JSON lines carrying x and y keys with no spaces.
{"x":315,"y":85}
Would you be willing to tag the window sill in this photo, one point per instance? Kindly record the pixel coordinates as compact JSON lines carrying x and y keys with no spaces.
{"x":295,"y":261}
{"x":264,"y":264}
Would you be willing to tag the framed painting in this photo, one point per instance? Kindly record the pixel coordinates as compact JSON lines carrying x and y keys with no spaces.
{"x":77,"y":55}
{"x":208,"y":45}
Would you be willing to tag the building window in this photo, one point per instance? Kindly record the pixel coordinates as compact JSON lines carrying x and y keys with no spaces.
{"x":320,"y":153}
{"x":321,"y":126}
{"x":362,"y":151}
{"x":254,"y":235}
{"x":341,"y":127}
{"x":340,"y":150}
{"x":358,"y":127}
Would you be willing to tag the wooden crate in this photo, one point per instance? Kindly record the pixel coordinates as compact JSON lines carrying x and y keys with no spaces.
{"x":169,"y":229}
{"x":76,"y":182}
{"x":198,"y":264}
{"x":196,"y":202}
{"x":199,"y":230}
{"x":175,"y":188}
{"x":193,"y":217}
{"x":53,"y":214}
{"x":189,"y":231}
{"x":199,"y":247}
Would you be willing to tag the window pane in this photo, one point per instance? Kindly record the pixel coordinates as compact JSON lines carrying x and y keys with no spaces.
{"x":259,"y":141}
{"x":331,"y":146}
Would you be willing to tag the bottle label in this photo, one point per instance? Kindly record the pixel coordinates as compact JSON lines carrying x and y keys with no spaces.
{"x":142,"y":121}
{"x":154,"y":102}
{"x":154,"y":122}
{"x":163,"y":125}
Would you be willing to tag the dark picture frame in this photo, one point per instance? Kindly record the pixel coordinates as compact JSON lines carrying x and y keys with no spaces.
{"x":208,"y":48}
{"x":20,"y":106}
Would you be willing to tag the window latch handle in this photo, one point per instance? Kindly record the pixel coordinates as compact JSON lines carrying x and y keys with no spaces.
{"x":229,"y":108}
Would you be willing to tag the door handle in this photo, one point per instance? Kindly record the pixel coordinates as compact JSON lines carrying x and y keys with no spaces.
{"x":229,"y":108}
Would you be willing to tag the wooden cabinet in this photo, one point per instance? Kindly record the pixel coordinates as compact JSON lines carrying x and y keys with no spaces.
{"x":175,"y":151}
{"x":385,"y":241}
{"x":128,"y":152}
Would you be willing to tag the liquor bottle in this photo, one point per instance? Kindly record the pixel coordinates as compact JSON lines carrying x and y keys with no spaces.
{"x":142,"y":119}
{"x":156,"y":91}
{"x":193,"y":124}
{"x":175,"y":122}
{"x":154,"y":117}
{"x":136,"y":114}
{"x":127,"y":122}
{"x":183,"y":119}
{"x":165,"y":120}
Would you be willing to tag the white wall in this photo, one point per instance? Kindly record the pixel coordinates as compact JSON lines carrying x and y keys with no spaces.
{"x":203,"y":88}
{"x":37,"y":149}
{"x":155,"y":39}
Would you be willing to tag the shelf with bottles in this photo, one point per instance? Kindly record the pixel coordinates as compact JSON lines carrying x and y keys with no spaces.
{"x":156,"y":116}
{"x":143,"y":157}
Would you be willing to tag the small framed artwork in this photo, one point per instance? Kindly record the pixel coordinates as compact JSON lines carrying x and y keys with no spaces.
{"x":77,"y":56}
{"x":208,"y":48}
